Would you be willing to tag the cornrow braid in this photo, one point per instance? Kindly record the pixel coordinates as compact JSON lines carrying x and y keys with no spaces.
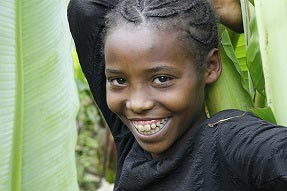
{"x":169,"y":8}
{"x":133,"y":13}
{"x":193,"y":18}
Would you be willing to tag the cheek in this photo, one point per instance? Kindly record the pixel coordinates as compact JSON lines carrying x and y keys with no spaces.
{"x":183,"y":98}
{"x":114,"y":101}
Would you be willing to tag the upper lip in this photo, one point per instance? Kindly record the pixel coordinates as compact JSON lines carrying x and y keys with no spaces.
{"x":146,"y":118}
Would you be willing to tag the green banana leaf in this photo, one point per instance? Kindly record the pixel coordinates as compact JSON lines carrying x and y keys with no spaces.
{"x":272,"y":30}
{"x":254,"y":61}
{"x":38,"y":98}
{"x":231,"y":90}
{"x":264,"y":113}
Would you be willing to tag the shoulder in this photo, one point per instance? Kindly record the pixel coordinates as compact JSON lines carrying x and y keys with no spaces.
{"x":241,"y":125}
{"x":252,"y":148}
{"x":239,"y":129}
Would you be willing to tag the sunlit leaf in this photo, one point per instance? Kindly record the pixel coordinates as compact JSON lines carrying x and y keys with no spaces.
{"x":230,"y":91}
{"x":38,"y":100}
{"x":264,"y":113}
{"x":272,"y":30}
{"x":254,"y":61}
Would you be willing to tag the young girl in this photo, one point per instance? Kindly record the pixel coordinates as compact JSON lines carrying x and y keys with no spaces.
{"x":148,"y":71}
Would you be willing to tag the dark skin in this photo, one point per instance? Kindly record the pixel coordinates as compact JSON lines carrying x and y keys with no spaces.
{"x":127,"y":89}
{"x":229,"y":13}
{"x":156,"y":80}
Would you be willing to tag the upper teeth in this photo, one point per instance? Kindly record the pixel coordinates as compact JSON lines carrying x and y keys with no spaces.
{"x":150,"y":128}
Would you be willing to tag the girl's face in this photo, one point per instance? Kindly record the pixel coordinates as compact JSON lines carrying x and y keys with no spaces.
{"x":153,"y":86}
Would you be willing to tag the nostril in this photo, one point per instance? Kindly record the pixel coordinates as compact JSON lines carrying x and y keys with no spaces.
{"x":137,"y":106}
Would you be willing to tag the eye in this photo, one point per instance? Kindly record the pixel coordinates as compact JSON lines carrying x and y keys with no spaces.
{"x":117,"y":81}
{"x":162,"y":80}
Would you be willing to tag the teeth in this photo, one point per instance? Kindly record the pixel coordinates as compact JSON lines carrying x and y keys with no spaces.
{"x":152,"y":128}
{"x":140,"y":128}
{"x":147,"y":127}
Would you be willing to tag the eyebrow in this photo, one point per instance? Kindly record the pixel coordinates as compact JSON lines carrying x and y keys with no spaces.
{"x":149,"y":70}
{"x":113,"y":71}
{"x":161,"y":68}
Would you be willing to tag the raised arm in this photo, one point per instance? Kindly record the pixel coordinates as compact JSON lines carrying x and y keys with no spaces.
{"x":229,"y":13}
{"x":86,"y":20}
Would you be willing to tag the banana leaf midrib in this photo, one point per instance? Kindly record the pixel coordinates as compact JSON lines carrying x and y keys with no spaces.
{"x":19,"y":96}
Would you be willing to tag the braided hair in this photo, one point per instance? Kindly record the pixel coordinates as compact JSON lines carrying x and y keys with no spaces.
{"x":194,"y":20}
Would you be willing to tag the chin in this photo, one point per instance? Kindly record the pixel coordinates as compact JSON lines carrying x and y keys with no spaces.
{"x":157,"y":151}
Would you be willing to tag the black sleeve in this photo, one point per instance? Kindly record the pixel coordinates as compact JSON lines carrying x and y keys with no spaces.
{"x":256,"y":151}
{"x":86,"y":21}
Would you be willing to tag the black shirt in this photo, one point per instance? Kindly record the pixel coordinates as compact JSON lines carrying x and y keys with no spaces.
{"x":238,"y":154}
{"x":242,"y":153}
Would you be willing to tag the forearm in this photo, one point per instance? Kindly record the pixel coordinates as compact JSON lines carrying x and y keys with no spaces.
{"x":229,"y":13}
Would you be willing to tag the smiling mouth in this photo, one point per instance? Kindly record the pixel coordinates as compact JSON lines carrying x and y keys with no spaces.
{"x":149,"y":127}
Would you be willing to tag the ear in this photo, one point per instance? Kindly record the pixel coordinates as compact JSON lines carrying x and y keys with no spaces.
{"x":213,"y":66}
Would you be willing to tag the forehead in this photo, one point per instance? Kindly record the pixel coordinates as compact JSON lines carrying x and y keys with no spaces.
{"x":145,"y":40}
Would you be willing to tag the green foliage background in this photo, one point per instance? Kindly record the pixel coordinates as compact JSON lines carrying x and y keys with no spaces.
{"x":38,"y":99}
{"x":95,"y":150}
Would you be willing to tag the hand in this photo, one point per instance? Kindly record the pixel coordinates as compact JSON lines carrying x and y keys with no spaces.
{"x":229,"y":12}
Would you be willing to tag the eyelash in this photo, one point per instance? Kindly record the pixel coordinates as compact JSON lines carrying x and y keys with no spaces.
{"x":166,"y":82}
{"x":120,"y":82}
{"x":158,"y":81}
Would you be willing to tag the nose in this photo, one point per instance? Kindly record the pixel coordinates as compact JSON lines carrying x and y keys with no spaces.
{"x":139,"y":102}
